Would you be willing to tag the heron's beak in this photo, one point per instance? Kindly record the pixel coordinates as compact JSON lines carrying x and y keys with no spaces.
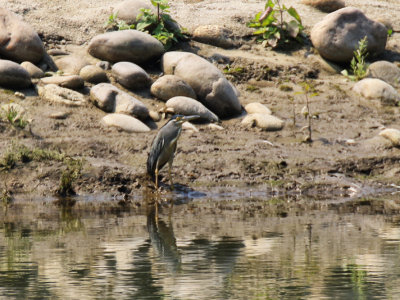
{"x":188,"y":118}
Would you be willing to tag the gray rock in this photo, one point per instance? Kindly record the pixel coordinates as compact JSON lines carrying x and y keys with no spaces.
{"x":129,"y":10}
{"x":372,"y":88}
{"x":34,"y":72}
{"x":18,"y":41}
{"x":214,"y":35}
{"x":125,"y":122}
{"x":337,"y":35}
{"x":70,"y":82}
{"x":385,"y":71}
{"x":56,"y":94}
{"x":256,"y":107}
{"x":208,"y":82}
{"x":126,"y":45}
{"x":12,"y":75}
{"x":188,"y":106}
{"x":111,"y":99}
{"x":71,"y":64}
{"x":130,"y":75}
{"x":392,"y":135}
{"x":263,"y":121}
{"x":169,"y":86}
{"x":93,"y":74}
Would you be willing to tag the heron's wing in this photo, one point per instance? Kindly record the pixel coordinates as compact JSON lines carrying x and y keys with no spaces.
{"x":155,"y":152}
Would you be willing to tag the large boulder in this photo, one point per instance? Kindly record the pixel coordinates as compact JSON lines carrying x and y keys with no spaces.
{"x":168,"y":86}
{"x":125,"y":122}
{"x":126,"y":45}
{"x":215,"y":35}
{"x":337,"y":35}
{"x":128,"y":10}
{"x":130,"y":75}
{"x":109,"y":98}
{"x":386,"y":71}
{"x":70,"y":81}
{"x":18,"y":41}
{"x":188,"y":106}
{"x":13,"y":75}
{"x":57,"y":94}
{"x":208,"y":82}
{"x":376,"y":89}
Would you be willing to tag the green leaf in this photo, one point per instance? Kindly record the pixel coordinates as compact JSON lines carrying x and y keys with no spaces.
{"x":267,"y":21}
{"x":292,"y":11}
{"x":270,"y":3}
{"x":260,"y":31}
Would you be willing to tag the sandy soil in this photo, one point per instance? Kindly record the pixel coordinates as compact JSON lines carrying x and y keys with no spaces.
{"x":347,"y":157}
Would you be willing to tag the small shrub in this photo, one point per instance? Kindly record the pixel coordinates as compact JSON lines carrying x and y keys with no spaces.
{"x":272,"y":29}
{"x":14,"y":117}
{"x":309,"y":91}
{"x":69,"y":175}
{"x":358,"y":65}
{"x":113,"y":22}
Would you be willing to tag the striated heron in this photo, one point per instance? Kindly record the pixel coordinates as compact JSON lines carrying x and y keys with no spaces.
{"x":163,"y":146}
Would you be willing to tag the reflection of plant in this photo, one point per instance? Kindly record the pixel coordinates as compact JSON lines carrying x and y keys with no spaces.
{"x":119,"y":24}
{"x":274,"y":31}
{"x":160,"y":25}
{"x":358,"y":65}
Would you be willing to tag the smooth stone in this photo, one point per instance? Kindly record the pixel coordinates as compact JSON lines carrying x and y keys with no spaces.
{"x":263,"y":121}
{"x":19,"y":95}
{"x":215,"y":35}
{"x":154,"y":115}
{"x":327,"y":6}
{"x":392,"y":135}
{"x":208,"y":82}
{"x":109,"y":98}
{"x":93,"y":74}
{"x":168,"y":86}
{"x":125,"y":122}
{"x":126,"y":45}
{"x":59,"y":115}
{"x":386,"y":71}
{"x":70,"y":81}
{"x":213,"y":126}
{"x":34,"y":71}
{"x":129,"y":10}
{"x":13,"y":75}
{"x":105,"y":65}
{"x":130,"y":75}
{"x":18,"y":41}
{"x":71,"y":64}
{"x":256,"y":107}
{"x":337,"y":35}
{"x":188,"y":106}
{"x":373,"y":88}
{"x":189,"y":127}
{"x":57,"y":94}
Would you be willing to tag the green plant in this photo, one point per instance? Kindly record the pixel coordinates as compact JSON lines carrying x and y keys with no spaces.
{"x":160,"y":25}
{"x":69,"y":175}
{"x":358,"y":65}
{"x":118,"y":24}
{"x":228,"y":69}
{"x":309,"y":91}
{"x":15,"y":118}
{"x":272,"y":28}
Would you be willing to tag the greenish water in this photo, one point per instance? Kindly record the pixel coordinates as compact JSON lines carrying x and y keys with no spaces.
{"x":202,"y":249}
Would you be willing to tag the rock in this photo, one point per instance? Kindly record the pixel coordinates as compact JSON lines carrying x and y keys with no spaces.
{"x":214,"y":35}
{"x":392,"y":135}
{"x":125,"y":122}
{"x":70,"y":82}
{"x":126,"y":45}
{"x":34,"y":72}
{"x":129,"y":10}
{"x":188,"y":106}
{"x":71,"y":64}
{"x":18,"y":41}
{"x":256,"y":107}
{"x":327,"y":6}
{"x":93,"y":74}
{"x":213,"y":126}
{"x":12,"y":75}
{"x":155,"y":116}
{"x":189,"y":127}
{"x":169,"y":86}
{"x":337,"y":35}
{"x":105,"y":65}
{"x":19,"y":95}
{"x":263,"y":121}
{"x":130,"y":75}
{"x":372,"y":88}
{"x":57,"y":94}
{"x":208,"y":82}
{"x":385,"y":71}
{"x":59,"y":115}
{"x":111,"y":99}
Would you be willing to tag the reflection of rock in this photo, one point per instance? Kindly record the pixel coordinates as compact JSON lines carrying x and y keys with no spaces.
{"x":163,"y":241}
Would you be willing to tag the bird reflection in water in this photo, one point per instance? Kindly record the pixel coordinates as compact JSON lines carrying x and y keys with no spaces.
{"x":163,"y":240}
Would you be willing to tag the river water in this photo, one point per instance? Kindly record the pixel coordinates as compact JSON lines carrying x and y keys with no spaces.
{"x":246,"y":248}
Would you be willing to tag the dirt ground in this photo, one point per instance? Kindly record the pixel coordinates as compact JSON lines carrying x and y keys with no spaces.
{"x":346,"y":158}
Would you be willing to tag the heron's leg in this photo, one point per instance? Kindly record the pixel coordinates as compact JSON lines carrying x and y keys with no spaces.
{"x":156,"y":173}
{"x":170,"y":175}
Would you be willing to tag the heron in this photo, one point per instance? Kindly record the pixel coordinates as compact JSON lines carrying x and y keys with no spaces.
{"x":164,"y":145}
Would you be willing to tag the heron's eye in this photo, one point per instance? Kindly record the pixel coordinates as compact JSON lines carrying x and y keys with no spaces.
{"x":178,"y":118}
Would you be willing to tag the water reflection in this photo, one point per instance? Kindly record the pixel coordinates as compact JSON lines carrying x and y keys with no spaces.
{"x":202,"y":250}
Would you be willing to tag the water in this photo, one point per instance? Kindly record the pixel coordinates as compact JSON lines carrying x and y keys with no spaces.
{"x":203,"y":249}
